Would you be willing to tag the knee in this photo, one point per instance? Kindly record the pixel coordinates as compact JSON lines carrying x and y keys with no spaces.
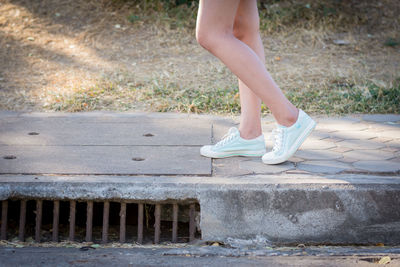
{"x":207,"y":38}
{"x":211,"y":37}
{"x":245,"y":28}
{"x":202,"y":37}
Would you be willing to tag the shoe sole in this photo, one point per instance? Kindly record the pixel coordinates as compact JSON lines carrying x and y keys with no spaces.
{"x":235,"y":154}
{"x":296,"y":145}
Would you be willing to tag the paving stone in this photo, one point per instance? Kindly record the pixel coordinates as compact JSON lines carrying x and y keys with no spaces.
{"x":348,"y":160}
{"x":297,"y":171}
{"x":396,"y":124}
{"x":230,"y":167}
{"x":390,"y":149}
{"x":360,"y":144}
{"x":341,"y":126}
{"x":318,"y":154}
{"x":377,"y":165}
{"x":340,"y":149}
{"x":324,"y":129}
{"x":346,"y":135}
{"x":386,"y":133}
{"x":151,"y":160}
{"x":258,"y":167}
{"x":333,"y":139}
{"x":381,"y":139}
{"x":338,"y":120}
{"x":316,"y":144}
{"x":381,"y":117}
{"x":378,"y":127}
{"x":369,"y":154}
{"x":296,"y":159}
{"x":393,"y":134}
{"x":323,"y":166}
{"x":68,"y":131}
{"x":319,"y":135}
{"x":396,"y":159}
{"x":394,"y":143}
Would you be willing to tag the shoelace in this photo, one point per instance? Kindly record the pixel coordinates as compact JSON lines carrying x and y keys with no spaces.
{"x":277,"y":136}
{"x":226,"y":138}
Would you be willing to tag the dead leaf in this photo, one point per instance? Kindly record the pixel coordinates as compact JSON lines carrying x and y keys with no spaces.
{"x":384,"y":260}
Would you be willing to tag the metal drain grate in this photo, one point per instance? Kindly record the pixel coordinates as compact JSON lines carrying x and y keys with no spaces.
{"x":67,"y":220}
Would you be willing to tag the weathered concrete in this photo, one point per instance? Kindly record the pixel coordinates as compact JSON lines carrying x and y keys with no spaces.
{"x":283,"y":209}
{"x":324,"y":166}
{"x":312,"y":215}
{"x":336,"y":189}
{"x":104,"y":131}
{"x":105,"y":160}
{"x":377,"y":165}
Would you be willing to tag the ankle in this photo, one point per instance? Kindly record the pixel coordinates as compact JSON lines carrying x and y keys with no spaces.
{"x":290,"y":118}
{"x":248,"y":134}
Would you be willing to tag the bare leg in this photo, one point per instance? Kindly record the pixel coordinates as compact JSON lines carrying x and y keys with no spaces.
{"x":246,"y":29}
{"x":214,"y":32}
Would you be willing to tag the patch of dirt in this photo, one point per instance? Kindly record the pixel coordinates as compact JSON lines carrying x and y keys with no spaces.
{"x":55,"y":47}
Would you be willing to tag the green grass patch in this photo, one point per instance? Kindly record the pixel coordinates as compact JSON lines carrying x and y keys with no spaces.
{"x":161,"y":96}
{"x":348,"y":99}
{"x":166,"y":97}
{"x":392,"y":42}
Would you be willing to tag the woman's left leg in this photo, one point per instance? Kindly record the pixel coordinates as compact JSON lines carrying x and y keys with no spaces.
{"x":214,"y":31}
{"x":218,"y":21}
{"x":246,"y":29}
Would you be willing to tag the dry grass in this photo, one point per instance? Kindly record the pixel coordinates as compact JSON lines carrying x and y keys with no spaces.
{"x":142,"y":55}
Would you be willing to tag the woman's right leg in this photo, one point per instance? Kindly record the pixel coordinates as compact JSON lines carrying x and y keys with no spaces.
{"x":214,"y":32}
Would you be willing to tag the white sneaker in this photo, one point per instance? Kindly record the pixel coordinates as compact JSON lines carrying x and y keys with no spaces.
{"x":233,"y":145}
{"x":289,"y":139}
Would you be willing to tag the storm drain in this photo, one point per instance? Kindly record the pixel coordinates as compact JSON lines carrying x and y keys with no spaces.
{"x":99,"y":222}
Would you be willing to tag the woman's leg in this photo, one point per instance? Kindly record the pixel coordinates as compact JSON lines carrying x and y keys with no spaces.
{"x":214,"y":31}
{"x":246,"y":29}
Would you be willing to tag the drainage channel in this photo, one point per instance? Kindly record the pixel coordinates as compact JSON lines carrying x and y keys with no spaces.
{"x":99,"y":221}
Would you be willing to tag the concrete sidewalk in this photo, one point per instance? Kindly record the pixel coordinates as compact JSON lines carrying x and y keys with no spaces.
{"x":342,"y":186}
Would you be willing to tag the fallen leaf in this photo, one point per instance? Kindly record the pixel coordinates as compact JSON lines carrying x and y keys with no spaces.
{"x":277,"y":58}
{"x":215,"y":244}
{"x":380,"y":245}
{"x":384,"y":260}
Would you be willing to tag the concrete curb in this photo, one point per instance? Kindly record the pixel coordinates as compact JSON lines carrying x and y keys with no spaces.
{"x":310,"y":210}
